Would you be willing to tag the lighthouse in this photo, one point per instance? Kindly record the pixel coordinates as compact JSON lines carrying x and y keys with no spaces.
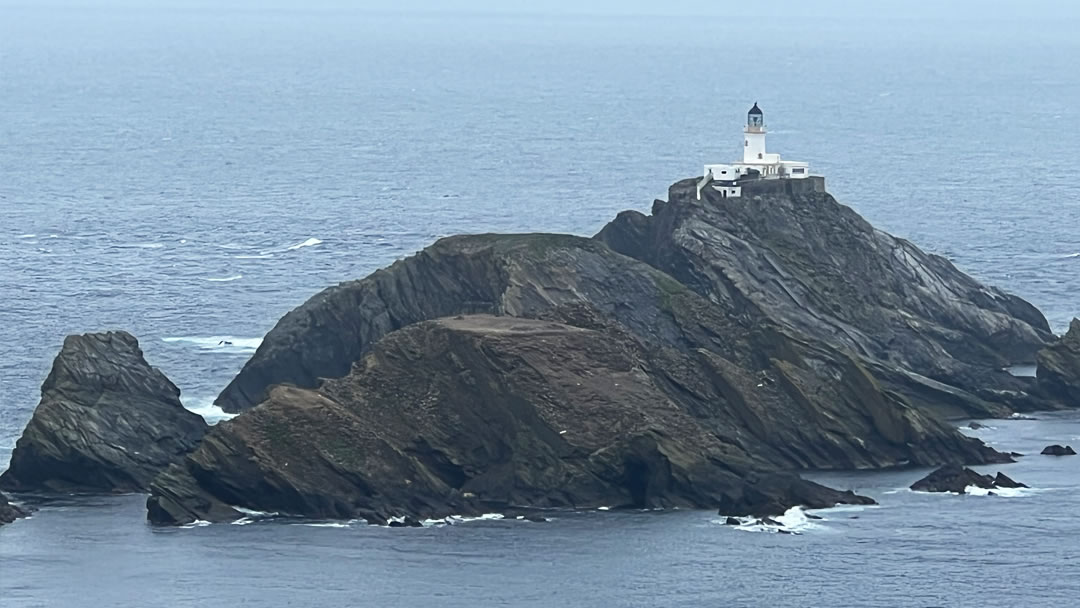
{"x":756,"y":164}
{"x":754,"y":136}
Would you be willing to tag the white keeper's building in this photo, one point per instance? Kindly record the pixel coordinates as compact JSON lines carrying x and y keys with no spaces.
{"x":756,"y":162}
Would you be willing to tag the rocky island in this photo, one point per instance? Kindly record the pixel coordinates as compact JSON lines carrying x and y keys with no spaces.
{"x":697,"y":357}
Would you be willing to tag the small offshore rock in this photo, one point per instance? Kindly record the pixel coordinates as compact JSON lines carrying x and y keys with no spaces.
{"x":1058,"y":450}
{"x":1004,"y":481}
{"x":732,"y":521}
{"x":405,"y":522}
{"x":956,"y":479}
{"x":10,"y":512}
{"x":976,"y":426}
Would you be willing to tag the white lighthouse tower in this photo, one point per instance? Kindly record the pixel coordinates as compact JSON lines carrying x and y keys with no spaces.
{"x":756,"y":164}
{"x":754,"y":137}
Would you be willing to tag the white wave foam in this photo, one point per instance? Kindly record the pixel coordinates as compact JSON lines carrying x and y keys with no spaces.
{"x":27,"y":236}
{"x":330,"y":524}
{"x":254,"y":513}
{"x":226,"y":344}
{"x":1072,"y":255}
{"x":308,"y":243}
{"x":793,"y":521}
{"x":211,"y":413}
{"x":235,"y":277}
{"x":458,"y":519}
{"x":198,"y":523}
{"x":132,"y":245}
{"x":1004,"y":492}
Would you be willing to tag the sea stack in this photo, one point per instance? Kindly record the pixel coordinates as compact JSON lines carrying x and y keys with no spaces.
{"x":106,"y":422}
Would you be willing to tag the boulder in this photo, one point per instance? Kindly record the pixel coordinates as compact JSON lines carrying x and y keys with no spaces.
{"x":10,"y":512}
{"x":106,"y":422}
{"x":1058,"y":450}
{"x":1058,"y":370}
{"x":956,"y":479}
{"x":405,"y":522}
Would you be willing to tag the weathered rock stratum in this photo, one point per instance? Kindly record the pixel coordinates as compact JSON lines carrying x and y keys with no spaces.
{"x":106,"y":422}
{"x":817,"y":267}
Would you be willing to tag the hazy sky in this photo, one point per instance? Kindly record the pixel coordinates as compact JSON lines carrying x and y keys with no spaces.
{"x":935,"y":9}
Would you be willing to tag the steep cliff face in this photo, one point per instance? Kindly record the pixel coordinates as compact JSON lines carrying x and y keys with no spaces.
{"x":813,"y":265}
{"x":654,"y":385}
{"x":1059,"y":367}
{"x":107,"y":422}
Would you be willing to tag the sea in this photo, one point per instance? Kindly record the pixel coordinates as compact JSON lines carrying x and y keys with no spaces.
{"x":190,"y":171}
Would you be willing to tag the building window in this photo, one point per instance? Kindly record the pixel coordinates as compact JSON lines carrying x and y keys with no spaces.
{"x":799,"y":170}
{"x":759,"y":155}
{"x":746,"y":144}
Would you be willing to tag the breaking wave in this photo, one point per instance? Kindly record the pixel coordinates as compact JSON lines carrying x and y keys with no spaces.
{"x":793,"y":521}
{"x":211,"y":413}
{"x":458,"y":519}
{"x":308,"y":243}
{"x":235,"y":277}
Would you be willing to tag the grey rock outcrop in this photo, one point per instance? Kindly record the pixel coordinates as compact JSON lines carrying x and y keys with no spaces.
{"x":1059,"y":366}
{"x":9,"y":512}
{"x":957,"y":479}
{"x":1058,"y":450}
{"x":106,"y":422}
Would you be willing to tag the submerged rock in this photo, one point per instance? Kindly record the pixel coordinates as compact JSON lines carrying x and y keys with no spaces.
{"x":1059,"y":367}
{"x":1058,"y":450}
{"x":107,"y":422}
{"x":957,"y":479}
{"x":10,"y":512}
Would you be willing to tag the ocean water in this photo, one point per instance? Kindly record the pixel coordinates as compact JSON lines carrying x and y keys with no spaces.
{"x":192,"y":172}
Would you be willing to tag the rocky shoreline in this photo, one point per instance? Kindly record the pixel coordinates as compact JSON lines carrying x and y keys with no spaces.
{"x":699,"y":357}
